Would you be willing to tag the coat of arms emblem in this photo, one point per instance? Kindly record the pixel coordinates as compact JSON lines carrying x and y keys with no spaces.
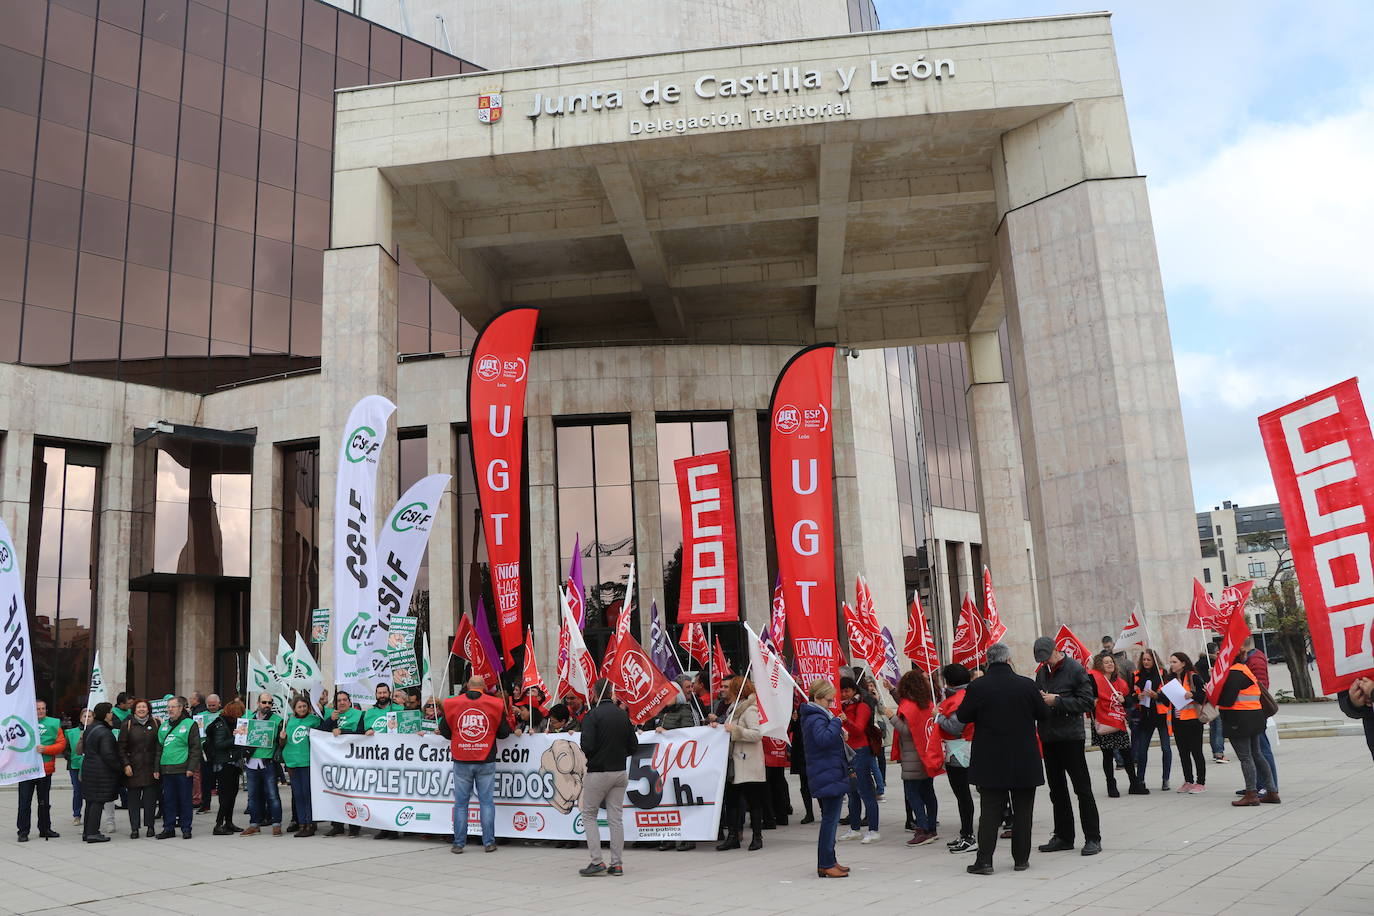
{"x":489,"y":108}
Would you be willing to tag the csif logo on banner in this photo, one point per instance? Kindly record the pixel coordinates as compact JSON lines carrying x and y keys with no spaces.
{"x":358,"y":632}
{"x":6,"y":557}
{"x":414,"y":517}
{"x":363,"y":445}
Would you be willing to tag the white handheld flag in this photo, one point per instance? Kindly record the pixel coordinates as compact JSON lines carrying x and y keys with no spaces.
{"x":579,"y":659}
{"x":400,"y":548}
{"x":19,"y":757}
{"x":355,"y":581}
{"x":1134,"y":632}
{"x":97,"y":693}
{"x":773,"y":686}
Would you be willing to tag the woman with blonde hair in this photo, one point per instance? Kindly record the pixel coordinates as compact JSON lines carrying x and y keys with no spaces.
{"x":747,"y":777}
{"x":827,"y":771}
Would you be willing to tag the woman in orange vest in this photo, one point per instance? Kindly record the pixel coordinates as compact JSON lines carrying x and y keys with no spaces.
{"x":1152,"y":716}
{"x":1187,"y":726}
{"x":1243,"y":719}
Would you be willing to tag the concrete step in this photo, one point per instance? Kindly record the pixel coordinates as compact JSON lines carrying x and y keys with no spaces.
{"x":1319,"y":728}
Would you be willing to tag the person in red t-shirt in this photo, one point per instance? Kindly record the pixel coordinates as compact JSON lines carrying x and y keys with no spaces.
{"x":473,"y":721}
{"x":863,"y":793}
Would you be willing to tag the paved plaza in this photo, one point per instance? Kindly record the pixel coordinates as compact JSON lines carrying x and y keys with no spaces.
{"x":1163,"y":853}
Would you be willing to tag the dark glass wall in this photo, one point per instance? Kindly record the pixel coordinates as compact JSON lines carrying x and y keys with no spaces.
{"x":680,"y":439}
{"x":165,"y":184}
{"x":300,"y":541}
{"x":942,"y":380}
{"x":63,"y":550}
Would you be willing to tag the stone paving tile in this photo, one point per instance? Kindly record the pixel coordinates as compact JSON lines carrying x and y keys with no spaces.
{"x":1163,"y":853}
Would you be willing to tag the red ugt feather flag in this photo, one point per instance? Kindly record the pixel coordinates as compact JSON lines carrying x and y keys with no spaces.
{"x":969,"y":647}
{"x":693,"y":639}
{"x":995,"y":628}
{"x":920,"y":642}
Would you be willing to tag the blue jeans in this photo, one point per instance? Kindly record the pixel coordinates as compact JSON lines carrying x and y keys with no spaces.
{"x":77,"y":797}
{"x":176,"y":801}
{"x":864,"y":790}
{"x":263,"y":792}
{"x":1141,"y":734}
{"x":830,"y":823}
{"x":300,"y":795}
{"x":878,"y":780}
{"x":466,"y":776}
{"x":1217,"y":737}
{"x":920,"y":797}
{"x":1268,"y":753}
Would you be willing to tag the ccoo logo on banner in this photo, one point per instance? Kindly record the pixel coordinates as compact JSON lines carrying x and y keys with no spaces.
{"x":676,"y":783}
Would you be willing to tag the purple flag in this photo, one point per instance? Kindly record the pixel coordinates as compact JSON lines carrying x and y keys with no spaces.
{"x":892,"y":669}
{"x":484,"y":636}
{"x":577,"y":594}
{"x":660,"y":652}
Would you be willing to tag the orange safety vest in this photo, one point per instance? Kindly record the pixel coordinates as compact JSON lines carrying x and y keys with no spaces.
{"x":1189,"y":712}
{"x":1249,"y":698}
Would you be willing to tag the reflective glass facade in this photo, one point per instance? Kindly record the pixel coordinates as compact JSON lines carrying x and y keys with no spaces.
{"x":300,"y":539}
{"x":680,"y":439}
{"x":165,"y":184}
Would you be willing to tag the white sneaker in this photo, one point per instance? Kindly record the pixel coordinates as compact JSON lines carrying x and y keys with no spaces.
{"x":850,"y":835}
{"x":870,"y":837}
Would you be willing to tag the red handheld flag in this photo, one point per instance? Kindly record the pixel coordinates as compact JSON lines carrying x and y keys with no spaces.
{"x":498,"y":371}
{"x":467,"y":645}
{"x":529,"y":674}
{"x":720,"y":670}
{"x":637,"y":681}
{"x":969,"y":648}
{"x":710,"y":562}
{"x":1236,"y":632}
{"x":1065,"y":641}
{"x":693,"y":639}
{"x":995,"y":629}
{"x":777,"y":632}
{"x":920,"y":642}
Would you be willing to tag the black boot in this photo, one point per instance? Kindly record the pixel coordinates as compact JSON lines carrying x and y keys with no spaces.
{"x":756,"y":842}
{"x":731,"y":841}
{"x":1112,"y":790}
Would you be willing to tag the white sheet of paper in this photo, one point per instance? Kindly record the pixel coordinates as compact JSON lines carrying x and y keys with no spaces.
{"x":1176,"y":694}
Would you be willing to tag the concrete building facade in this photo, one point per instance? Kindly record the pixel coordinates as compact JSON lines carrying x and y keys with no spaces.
{"x":957,"y":206}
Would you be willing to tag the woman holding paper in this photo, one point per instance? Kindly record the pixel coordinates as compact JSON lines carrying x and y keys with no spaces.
{"x":1109,"y":723}
{"x":1185,"y":693}
{"x":1152,"y":716}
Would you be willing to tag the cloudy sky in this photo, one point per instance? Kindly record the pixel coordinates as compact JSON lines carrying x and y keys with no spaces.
{"x":1254,"y":121}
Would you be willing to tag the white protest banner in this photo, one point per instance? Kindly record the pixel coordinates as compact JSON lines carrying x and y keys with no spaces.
{"x":306,"y":674}
{"x":96,"y":693}
{"x":400,"y":548}
{"x":355,"y":567}
{"x":19,"y":757}
{"x":405,"y":782}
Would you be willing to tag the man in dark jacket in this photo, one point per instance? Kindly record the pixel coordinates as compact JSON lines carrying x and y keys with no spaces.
{"x":1004,"y":763}
{"x":1068,"y":691}
{"x":1258,"y":664}
{"x":608,"y":739}
{"x":1358,"y":703}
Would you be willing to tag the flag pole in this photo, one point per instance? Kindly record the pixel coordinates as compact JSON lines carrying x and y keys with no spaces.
{"x":731,"y":714}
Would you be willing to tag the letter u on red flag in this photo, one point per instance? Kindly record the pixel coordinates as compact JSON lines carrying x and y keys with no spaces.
{"x":498,"y":372}
{"x":801,"y":480}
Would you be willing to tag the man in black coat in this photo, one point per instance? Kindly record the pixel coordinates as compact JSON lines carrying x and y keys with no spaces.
{"x":608,"y":739}
{"x":1069,"y":692}
{"x":1004,"y":763}
{"x":1358,"y":703}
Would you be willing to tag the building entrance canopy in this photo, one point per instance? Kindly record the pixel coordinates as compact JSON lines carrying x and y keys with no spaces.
{"x":788,"y":192}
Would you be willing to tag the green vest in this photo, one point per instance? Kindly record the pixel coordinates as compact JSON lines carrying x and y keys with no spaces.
{"x":347,"y":721}
{"x":73,"y":738}
{"x":265,"y":753}
{"x":175,"y":742}
{"x":296,"y":753}
{"x":374,"y":719}
{"x":48,"y":730}
{"x":121,"y":714}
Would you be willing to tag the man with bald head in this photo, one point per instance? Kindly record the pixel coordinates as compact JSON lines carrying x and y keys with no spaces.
{"x":473,"y":721}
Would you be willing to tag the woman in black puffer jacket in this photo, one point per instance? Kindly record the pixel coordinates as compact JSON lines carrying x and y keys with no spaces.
{"x":226,"y":762}
{"x":100,"y":771}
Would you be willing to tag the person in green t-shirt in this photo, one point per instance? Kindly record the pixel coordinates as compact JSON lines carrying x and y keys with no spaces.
{"x":124,"y":705}
{"x":375,"y":719}
{"x":343,"y":719}
{"x":264,"y":798}
{"x":74,"y":762}
{"x":295,"y":754}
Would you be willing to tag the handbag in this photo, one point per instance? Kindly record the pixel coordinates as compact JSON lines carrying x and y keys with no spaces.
{"x":1207,"y":713}
{"x":1267,"y":701}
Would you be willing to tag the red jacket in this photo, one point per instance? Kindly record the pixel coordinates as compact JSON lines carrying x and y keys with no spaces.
{"x":925,"y":735}
{"x":950,"y":705}
{"x":50,"y":752}
{"x":775,"y":752}
{"x":1259,"y":666}
{"x":857,"y":717}
{"x":1109,"y":710}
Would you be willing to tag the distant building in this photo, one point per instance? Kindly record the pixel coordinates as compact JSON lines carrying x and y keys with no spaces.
{"x":1231,"y":549}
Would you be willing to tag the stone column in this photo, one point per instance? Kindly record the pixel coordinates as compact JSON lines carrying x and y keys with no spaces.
{"x":112,"y":585}
{"x":751,"y":528}
{"x":648,"y":518}
{"x":195,"y":637}
{"x":441,"y":448}
{"x":1101,"y":426}
{"x":16,"y":480}
{"x":264,"y":590}
{"x":869,"y":529}
{"x":545,"y":570}
{"x":998,"y":473}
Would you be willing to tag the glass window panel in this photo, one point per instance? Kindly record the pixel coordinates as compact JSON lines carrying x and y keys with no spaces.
{"x":271,"y":323}
{"x":19,"y":131}
{"x":145,"y":296}
{"x":674,"y":442}
{"x":231,"y":310}
{"x":204,"y":33}
{"x":154,"y":180}
{"x":576,"y":508}
{"x":116,"y":54}
{"x":150,"y":237}
{"x":11,"y":319}
{"x":611,"y":445}
{"x":385,"y":61}
{"x":15,"y":194}
{"x":157,"y":124}
{"x":66,"y":95}
{"x":24,"y":26}
{"x":236,"y":202}
{"x":46,"y":605}
{"x":242,"y":97}
{"x":243,"y":46}
{"x":314,"y":170}
{"x":199,"y":137}
{"x":56,"y":214}
{"x":614,"y":519}
{"x":307,"y":274}
{"x":195,"y":197}
{"x":316,"y":120}
{"x":254,"y":11}
{"x":347,"y":75}
{"x":284,"y":16}
{"x":233,"y":257}
{"x":47,"y":337}
{"x":574,"y":456}
{"x":112,"y":110}
{"x":710,"y":436}
{"x":317,"y":73}
{"x":188,"y":311}
{"x":50,"y":534}
{"x":13,"y":251}
{"x":165,"y":20}
{"x":160,"y":70}
{"x":52,"y":277}
{"x":107,"y":168}
{"x":305,"y":329}
{"x":238,"y":149}
{"x":20,"y":80}
{"x":103,"y":225}
{"x":312,"y":223}
{"x":95,"y":339}
{"x":272,"y":271}
{"x":71,"y":37}
{"x":412,"y":338}
{"x":446,"y":66}
{"x":414,"y":60}
{"x":274,"y":212}
{"x":319,"y":26}
{"x":98,"y":287}
{"x":61,"y":153}
{"x":74,"y":607}
{"x":76,"y":543}
{"x":54,"y":480}
{"x":282,"y":59}
{"x":670,"y":516}
{"x":353,"y":39}
{"x":279,"y":109}
{"x":277,"y":161}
